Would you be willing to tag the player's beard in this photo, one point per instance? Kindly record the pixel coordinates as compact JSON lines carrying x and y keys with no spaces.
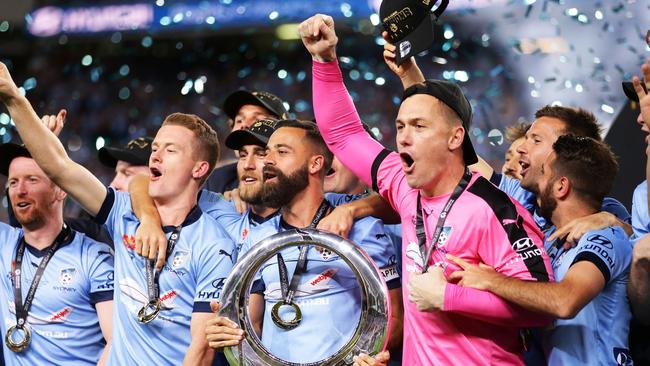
{"x":547,"y":203}
{"x":33,"y":219}
{"x":279,"y":194}
{"x":253,"y":195}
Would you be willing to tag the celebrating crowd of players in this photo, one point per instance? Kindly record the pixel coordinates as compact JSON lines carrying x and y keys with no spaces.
{"x":533,"y":265}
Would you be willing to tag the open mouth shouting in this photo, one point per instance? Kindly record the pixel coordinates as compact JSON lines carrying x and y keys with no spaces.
{"x":155,"y":173}
{"x":525,"y":166}
{"x":269,"y":174}
{"x":408,"y":164}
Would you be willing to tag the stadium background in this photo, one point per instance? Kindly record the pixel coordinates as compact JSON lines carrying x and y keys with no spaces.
{"x":120,"y":67}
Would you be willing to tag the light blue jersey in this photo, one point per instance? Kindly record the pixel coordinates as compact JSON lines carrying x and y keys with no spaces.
{"x":528,"y":199}
{"x":640,"y":218}
{"x":328,"y":293}
{"x":63,"y":320}
{"x":237,"y":225}
{"x":598,"y":334}
{"x":193,"y":276}
{"x":393,"y":231}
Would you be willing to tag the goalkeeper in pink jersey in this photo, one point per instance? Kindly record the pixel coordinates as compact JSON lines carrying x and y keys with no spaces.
{"x":444,"y":209}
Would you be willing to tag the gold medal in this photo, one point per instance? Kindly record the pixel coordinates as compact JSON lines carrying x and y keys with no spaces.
{"x":149,"y":311}
{"x":286,"y":324}
{"x":23,"y":343}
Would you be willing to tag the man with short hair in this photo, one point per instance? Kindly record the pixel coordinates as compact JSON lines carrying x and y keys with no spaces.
{"x":64,"y":280}
{"x":550,"y":123}
{"x":295,"y":166}
{"x":160,"y":316}
{"x":589,"y":298}
{"x":243,"y":108}
{"x":428,"y":184}
{"x":516,"y":135}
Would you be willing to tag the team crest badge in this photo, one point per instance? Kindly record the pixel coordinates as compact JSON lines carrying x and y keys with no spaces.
{"x":324,"y":253}
{"x":445,"y":234}
{"x":67,"y":276}
{"x":180,"y":258}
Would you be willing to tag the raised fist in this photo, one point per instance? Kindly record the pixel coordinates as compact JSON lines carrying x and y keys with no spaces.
{"x":319,"y":37}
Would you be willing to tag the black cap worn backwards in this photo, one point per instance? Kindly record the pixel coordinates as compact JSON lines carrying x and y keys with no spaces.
{"x":136,"y":152}
{"x":257,"y":134}
{"x":240,"y":98}
{"x":409,"y":24}
{"x":10,"y":151}
{"x":450,"y":94}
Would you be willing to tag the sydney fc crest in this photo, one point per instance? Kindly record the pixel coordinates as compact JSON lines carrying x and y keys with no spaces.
{"x":67,"y":276}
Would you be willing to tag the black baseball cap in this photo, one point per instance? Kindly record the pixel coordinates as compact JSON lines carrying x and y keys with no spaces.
{"x":10,"y":151}
{"x":257,"y":134}
{"x":135,"y":152}
{"x":409,"y":24}
{"x":240,"y":98}
{"x":628,"y":89}
{"x":450,"y":94}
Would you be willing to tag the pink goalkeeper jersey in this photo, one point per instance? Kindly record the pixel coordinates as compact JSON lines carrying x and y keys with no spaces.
{"x":484,"y":226}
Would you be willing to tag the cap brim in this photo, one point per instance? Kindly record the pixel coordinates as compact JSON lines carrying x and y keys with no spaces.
{"x":237,"y":139}
{"x":628,"y":89}
{"x":419,"y":40}
{"x":109,"y":156}
{"x":8,"y":152}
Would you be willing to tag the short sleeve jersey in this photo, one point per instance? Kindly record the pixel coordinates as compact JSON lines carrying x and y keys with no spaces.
{"x":598,"y":334}
{"x":193,"y":275}
{"x":63,"y":319}
{"x":640,"y":218}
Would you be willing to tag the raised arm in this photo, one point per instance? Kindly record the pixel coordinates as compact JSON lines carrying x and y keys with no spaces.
{"x":335,"y":113}
{"x":644,"y":104}
{"x":48,"y":151}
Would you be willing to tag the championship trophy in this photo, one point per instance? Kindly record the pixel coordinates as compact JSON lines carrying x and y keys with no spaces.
{"x":371,"y":333}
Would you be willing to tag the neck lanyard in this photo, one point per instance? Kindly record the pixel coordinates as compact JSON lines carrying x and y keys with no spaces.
{"x":150,"y":310}
{"x":419,"y":222}
{"x":289,"y":289}
{"x":22,"y":309}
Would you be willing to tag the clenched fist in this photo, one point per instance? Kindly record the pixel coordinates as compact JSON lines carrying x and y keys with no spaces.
{"x":319,"y":37}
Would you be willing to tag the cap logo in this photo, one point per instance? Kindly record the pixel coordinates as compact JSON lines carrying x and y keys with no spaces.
{"x":426,"y":2}
{"x":398,"y":17}
{"x":404,"y":48}
{"x":264,"y":94}
{"x":138,"y":143}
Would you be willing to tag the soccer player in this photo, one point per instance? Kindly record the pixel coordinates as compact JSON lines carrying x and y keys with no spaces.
{"x":443,"y":323}
{"x":243,"y":108}
{"x":159,"y":316}
{"x":328,"y":294}
{"x":64,"y":279}
{"x":128,"y":161}
{"x":516,"y":134}
{"x":589,"y":297}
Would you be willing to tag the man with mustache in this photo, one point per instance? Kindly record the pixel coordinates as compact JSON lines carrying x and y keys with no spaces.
{"x":70,"y":313}
{"x":430,"y":187}
{"x":295,"y":166}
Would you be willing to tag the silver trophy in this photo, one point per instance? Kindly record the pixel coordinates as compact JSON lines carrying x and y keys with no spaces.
{"x":371,"y":334}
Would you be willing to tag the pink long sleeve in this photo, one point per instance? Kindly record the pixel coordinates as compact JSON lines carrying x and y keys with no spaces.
{"x":340,"y":123}
{"x":487,"y":307}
